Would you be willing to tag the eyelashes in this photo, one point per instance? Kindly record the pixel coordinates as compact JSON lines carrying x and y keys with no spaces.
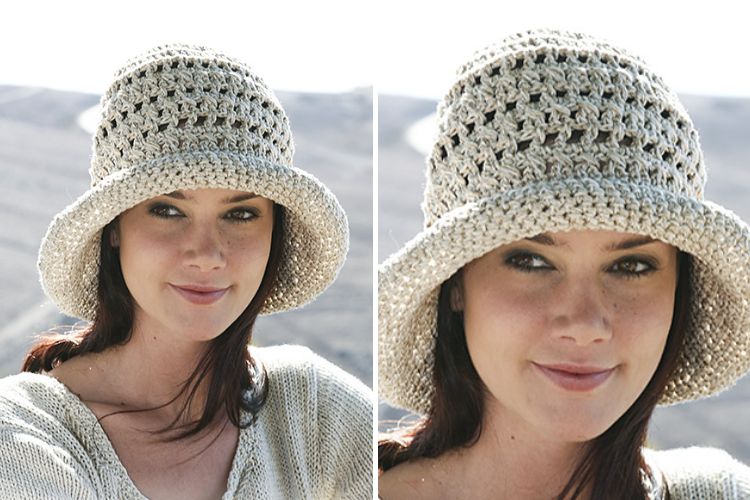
{"x":236,"y":215}
{"x":527,"y":262}
{"x":627,"y":267}
{"x":162,"y":211}
{"x":243,"y":215}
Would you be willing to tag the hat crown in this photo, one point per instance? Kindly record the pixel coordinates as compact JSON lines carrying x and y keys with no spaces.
{"x":544,"y":105}
{"x":179,"y":98}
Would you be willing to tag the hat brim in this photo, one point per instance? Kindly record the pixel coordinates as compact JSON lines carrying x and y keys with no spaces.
{"x":717,"y":346}
{"x":316,"y":234}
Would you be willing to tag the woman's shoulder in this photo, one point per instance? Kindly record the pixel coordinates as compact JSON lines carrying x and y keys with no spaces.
{"x":303,"y":385}
{"x":701,"y":472}
{"x":41,"y":441}
{"x":317,"y":410}
{"x":297,"y":368}
{"x":412,"y":479}
{"x":39,"y":405}
{"x":29,"y":394}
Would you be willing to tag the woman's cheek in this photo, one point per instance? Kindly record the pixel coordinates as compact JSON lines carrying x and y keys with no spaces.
{"x":642,"y":321}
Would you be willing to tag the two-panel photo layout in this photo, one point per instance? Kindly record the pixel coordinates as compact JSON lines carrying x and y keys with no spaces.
{"x":531,"y":281}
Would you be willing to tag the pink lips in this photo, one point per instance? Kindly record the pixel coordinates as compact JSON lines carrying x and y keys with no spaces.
{"x":576,"y":378}
{"x":200,"y":295}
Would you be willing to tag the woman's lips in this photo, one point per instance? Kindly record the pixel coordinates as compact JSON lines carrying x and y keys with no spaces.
{"x":200,"y":298}
{"x":577,"y":379}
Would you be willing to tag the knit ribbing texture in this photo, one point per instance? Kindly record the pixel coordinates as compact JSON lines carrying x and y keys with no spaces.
{"x":700,"y":473}
{"x":554,"y":131}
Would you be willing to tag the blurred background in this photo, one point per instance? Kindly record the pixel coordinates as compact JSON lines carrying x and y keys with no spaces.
{"x":59,"y":58}
{"x":698,"y":48}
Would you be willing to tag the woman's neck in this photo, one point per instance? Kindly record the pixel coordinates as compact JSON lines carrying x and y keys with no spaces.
{"x":146,"y":372}
{"x":509,"y":460}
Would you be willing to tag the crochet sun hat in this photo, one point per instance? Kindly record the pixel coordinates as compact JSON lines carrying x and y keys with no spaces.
{"x":554,"y":131}
{"x":188,"y":117}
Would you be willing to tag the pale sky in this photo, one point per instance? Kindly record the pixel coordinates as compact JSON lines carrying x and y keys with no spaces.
{"x":79,"y":44}
{"x":403,"y":47}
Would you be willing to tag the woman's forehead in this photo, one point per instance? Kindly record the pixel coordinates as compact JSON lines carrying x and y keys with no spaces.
{"x":606,"y":240}
{"x":211,"y":194}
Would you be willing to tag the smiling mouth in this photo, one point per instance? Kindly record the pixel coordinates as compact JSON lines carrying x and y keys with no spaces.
{"x":577,"y":379}
{"x":198,"y":297}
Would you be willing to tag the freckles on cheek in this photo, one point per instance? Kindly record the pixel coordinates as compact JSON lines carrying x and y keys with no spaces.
{"x":160,"y":243}
{"x":147,"y":250}
{"x":250,"y":254}
{"x":644,"y":315}
{"x":501,"y":309}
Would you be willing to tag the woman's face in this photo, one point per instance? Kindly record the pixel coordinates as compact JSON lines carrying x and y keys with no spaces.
{"x":206,"y":239}
{"x":566,"y":329}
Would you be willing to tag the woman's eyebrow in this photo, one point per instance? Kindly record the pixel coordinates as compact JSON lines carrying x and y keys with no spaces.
{"x":240,"y":197}
{"x":234,"y":199}
{"x":544,"y":239}
{"x":631,"y":243}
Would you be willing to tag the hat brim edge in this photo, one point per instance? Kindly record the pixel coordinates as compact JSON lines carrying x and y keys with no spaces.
{"x":409,"y":279}
{"x":314,"y":215}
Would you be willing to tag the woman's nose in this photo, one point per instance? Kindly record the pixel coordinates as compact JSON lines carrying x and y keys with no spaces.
{"x":582,"y":313}
{"x":203,"y":248}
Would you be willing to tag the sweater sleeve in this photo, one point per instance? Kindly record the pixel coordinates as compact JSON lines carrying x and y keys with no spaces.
{"x":40,"y":458}
{"x":345,"y":426}
{"x":33,"y":466}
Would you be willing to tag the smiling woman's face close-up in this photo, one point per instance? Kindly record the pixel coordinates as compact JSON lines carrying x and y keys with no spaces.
{"x":566,"y":329}
{"x":194,"y":259}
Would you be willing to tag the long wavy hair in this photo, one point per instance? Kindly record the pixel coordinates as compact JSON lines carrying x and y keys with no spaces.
{"x":612,"y":463}
{"x":233,"y":379}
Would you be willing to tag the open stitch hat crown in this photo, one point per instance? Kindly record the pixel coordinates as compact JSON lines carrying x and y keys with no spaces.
{"x":556,"y":131}
{"x":186,"y":117}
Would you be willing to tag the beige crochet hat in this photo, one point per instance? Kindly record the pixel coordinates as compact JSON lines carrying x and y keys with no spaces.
{"x":186,"y":117}
{"x":554,"y":131}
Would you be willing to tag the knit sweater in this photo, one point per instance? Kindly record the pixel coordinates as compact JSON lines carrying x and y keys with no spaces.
{"x":700,"y":474}
{"x":312,"y":438}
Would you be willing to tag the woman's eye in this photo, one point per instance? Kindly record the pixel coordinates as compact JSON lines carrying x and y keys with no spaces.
{"x":242,"y":215}
{"x":165,"y":211}
{"x":527,"y":262}
{"x":633,"y":268}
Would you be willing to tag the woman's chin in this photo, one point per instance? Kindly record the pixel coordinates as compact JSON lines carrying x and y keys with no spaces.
{"x":572,"y":423}
{"x":201,"y":331}
{"x":582,"y":435}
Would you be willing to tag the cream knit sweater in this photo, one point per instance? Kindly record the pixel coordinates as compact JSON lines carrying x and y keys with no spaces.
{"x":701,"y":473}
{"x":312,"y":439}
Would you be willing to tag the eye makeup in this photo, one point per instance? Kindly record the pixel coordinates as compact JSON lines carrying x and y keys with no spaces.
{"x":526,"y":261}
{"x":235,"y":215}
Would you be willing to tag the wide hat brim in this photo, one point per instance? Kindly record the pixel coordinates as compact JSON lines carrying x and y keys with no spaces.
{"x":717,"y":349}
{"x":315,"y":242}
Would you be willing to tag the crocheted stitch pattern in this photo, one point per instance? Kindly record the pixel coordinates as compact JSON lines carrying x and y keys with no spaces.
{"x":543,"y":107}
{"x":182,"y":98}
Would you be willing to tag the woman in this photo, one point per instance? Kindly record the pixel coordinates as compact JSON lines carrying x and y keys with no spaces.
{"x":569,"y":278}
{"x":196,"y":223}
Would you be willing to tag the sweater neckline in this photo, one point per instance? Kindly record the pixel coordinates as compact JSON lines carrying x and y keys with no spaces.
{"x":104,"y":444}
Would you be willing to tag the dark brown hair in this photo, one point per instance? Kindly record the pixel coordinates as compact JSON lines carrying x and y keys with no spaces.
{"x":227,"y":367}
{"x":612,"y":462}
